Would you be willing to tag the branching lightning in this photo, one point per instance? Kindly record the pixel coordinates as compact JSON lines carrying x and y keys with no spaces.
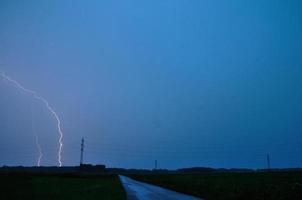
{"x":50,"y":109}
{"x":40,"y":151}
{"x":36,"y":138}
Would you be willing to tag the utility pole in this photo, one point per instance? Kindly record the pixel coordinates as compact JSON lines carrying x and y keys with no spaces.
{"x":82,"y":151}
{"x":268,"y":162}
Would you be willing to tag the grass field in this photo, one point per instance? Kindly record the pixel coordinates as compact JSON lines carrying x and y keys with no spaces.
{"x":232,"y":186}
{"x":46,"y":187}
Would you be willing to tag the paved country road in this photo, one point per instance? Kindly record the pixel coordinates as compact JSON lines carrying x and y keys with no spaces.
{"x":142,"y":191}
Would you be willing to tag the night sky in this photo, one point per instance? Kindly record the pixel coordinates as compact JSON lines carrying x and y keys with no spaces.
{"x":185,"y":82}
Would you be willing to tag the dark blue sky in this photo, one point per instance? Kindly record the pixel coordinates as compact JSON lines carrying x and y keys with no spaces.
{"x":186,"y":82}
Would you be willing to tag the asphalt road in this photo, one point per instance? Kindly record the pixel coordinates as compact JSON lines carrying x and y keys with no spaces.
{"x":142,"y":191}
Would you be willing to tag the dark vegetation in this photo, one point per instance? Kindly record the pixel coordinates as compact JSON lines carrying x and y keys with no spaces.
{"x":21,"y":185}
{"x":98,"y":182}
{"x":232,"y":185}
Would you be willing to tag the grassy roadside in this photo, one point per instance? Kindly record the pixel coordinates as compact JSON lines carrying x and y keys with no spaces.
{"x":26,"y":186}
{"x":232,"y":186}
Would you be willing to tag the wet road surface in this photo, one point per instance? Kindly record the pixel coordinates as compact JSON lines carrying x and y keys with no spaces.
{"x":142,"y":191}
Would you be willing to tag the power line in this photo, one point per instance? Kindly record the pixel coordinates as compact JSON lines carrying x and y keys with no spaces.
{"x":268,"y":162}
{"x":82,"y":151}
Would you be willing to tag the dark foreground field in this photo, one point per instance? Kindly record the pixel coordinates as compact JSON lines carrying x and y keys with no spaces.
{"x":29,"y":186}
{"x":232,"y":186}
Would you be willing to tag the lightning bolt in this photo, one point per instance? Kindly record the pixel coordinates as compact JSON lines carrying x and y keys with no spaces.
{"x":49,"y":108}
{"x":40,"y":151}
{"x":36,"y":138}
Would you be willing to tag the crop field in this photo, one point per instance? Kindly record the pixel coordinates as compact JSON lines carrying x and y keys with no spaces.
{"x":210,"y":186}
{"x":29,"y":186}
{"x":232,"y":186}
